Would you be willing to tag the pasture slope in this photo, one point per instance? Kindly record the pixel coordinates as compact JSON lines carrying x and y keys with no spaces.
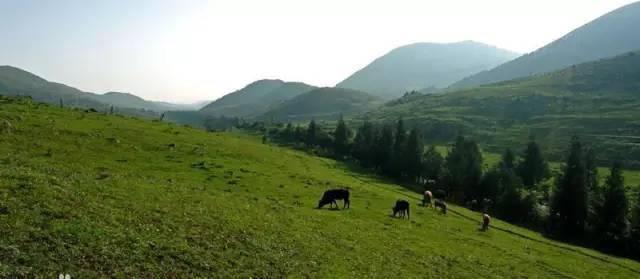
{"x":95,"y":196}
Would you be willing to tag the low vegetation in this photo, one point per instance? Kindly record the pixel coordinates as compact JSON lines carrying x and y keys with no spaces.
{"x":91,"y":195}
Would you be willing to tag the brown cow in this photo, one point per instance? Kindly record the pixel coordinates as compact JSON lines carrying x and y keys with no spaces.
{"x":486,"y":219}
{"x":427,"y":198}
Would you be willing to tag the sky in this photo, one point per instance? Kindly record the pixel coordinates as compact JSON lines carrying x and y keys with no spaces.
{"x":194,"y":50}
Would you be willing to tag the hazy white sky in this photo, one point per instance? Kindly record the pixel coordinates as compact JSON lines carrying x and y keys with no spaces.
{"x":185,"y":51}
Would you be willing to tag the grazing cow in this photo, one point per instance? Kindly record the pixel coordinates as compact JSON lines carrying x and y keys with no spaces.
{"x":330,"y":197}
{"x":401,"y":207}
{"x":426,"y":199}
{"x":442,"y":205}
{"x":486,"y":219}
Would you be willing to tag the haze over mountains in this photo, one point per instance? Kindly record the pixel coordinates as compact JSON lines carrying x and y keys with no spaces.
{"x":609,"y":35}
{"x":424,"y":65}
{"x":15,"y":81}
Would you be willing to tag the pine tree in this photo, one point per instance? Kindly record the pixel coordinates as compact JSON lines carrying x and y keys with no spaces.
{"x":341,"y":139}
{"x":311,"y":137}
{"x":288,"y":134}
{"x":384,"y":149}
{"x":364,"y":145}
{"x":463,"y":168}
{"x":508,"y":160}
{"x":299,"y":134}
{"x":432,"y":163}
{"x":399,"y":164}
{"x":413,"y":154}
{"x":612,"y":215}
{"x":571,"y":195}
{"x":592,"y":170}
{"x":635,"y":228}
{"x":533,"y":168}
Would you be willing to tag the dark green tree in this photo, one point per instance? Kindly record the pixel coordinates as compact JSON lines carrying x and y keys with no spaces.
{"x":341,"y":139}
{"x":384,"y":149}
{"x":432,"y":163}
{"x":533,"y":168}
{"x":508,"y":160}
{"x":399,"y":164}
{"x":364,"y":145}
{"x":570,"y":199}
{"x":289,"y":133}
{"x":635,"y":228}
{"x":300,"y":134}
{"x":463,"y":169}
{"x":311,"y":137}
{"x":413,"y":155}
{"x":612,"y":226}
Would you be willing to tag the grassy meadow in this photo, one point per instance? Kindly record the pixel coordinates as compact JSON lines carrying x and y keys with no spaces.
{"x":95,"y":195}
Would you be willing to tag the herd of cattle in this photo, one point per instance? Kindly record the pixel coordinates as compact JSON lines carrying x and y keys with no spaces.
{"x":401,"y":208}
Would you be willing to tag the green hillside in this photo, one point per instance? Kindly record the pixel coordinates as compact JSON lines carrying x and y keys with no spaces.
{"x":609,"y":35}
{"x":90,"y":195}
{"x":598,"y":101}
{"x":424,"y":65}
{"x":255,"y":99}
{"x":323,"y":103}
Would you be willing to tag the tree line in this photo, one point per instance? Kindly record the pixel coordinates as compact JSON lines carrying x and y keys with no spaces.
{"x":572,"y":206}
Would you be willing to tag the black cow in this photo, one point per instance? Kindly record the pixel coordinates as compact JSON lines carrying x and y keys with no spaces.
{"x":401,"y":207}
{"x":330,"y":197}
{"x":442,"y":205}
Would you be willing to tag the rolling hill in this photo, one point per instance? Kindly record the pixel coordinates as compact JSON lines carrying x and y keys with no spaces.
{"x":599,"y":101}
{"x":424,"y":65}
{"x":255,"y":99}
{"x":323,"y":103}
{"x":18,"y":82}
{"x":612,"y":34}
{"x":80,"y":196}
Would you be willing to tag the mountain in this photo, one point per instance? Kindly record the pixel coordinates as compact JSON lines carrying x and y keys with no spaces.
{"x":598,"y":100}
{"x":612,"y":34}
{"x":424,"y":65}
{"x":323,"y":103}
{"x":255,"y":99}
{"x":15,"y":81}
{"x":96,"y":196}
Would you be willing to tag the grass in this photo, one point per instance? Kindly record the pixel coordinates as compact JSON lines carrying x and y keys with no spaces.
{"x":106,"y":196}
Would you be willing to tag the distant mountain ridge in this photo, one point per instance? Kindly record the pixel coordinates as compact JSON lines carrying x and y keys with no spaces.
{"x":611,"y":34}
{"x":256,"y":98}
{"x":15,"y":81}
{"x":424,"y":65}
{"x":323,"y":103}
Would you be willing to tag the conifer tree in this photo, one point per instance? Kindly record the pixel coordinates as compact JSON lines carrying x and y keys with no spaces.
{"x":463,"y":168}
{"x":533,"y":168}
{"x":312,"y":134}
{"x":398,"y":164}
{"x":384,"y":150}
{"x":570,"y":199}
{"x":413,"y":155}
{"x":432,"y":163}
{"x":364,"y":145}
{"x":341,"y":139}
{"x":612,"y":214}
